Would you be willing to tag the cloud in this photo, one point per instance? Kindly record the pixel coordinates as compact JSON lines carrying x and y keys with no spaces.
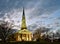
{"x":40,"y":6}
{"x":35,"y":10}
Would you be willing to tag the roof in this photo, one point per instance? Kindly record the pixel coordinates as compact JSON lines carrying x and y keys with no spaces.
{"x":24,"y":31}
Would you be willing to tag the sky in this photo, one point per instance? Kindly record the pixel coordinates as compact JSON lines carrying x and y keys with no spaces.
{"x":40,"y":12}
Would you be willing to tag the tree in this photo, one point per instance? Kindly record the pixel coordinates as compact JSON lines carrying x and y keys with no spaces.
{"x":37,"y":32}
{"x":5,"y":30}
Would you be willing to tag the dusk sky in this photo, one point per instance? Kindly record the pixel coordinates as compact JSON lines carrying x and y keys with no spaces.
{"x":41,"y":12}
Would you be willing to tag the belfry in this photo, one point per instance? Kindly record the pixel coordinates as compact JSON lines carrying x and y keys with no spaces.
{"x":23,"y":34}
{"x":23,"y":24}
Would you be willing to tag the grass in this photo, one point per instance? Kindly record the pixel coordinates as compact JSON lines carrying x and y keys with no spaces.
{"x":30,"y":42}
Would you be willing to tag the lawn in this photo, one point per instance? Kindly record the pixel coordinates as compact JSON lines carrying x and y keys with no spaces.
{"x":30,"y":42}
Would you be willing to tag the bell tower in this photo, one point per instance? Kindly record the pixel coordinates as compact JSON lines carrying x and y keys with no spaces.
{"x":23,"y":24}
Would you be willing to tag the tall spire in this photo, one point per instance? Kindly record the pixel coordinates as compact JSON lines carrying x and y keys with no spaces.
{"x":23,"y":12}
{"x":23,"y":25}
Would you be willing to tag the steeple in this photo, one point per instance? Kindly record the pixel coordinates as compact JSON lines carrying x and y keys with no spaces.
{"x":23,"y":25}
